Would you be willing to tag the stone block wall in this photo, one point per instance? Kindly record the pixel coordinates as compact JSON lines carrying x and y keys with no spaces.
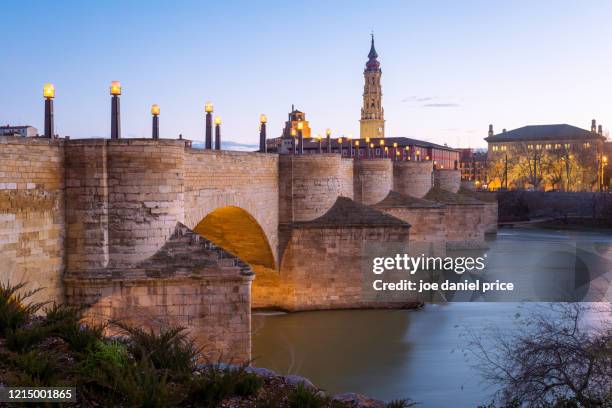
{"x":189,"y":282}
{"x":322,"y":267}
{"x":447,"y":179}
{"x":465,"y":227}
{"x":372,"y":180}
{"x":87,"y":204}
{"x":32,"y":214}
{"x":412,"y":178}
{"x":427,"y":231}
{"x":309,"y":185}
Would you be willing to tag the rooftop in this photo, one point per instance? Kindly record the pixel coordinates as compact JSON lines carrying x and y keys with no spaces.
{"x":397,"y":200}
{"x":544,"y":132}
{"x":348,"y":213}
{"x":447,"y":197}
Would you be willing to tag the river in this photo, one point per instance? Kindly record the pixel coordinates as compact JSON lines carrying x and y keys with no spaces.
{"x":420,"y":354}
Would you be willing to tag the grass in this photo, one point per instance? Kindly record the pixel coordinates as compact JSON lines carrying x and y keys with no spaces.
{"x":15,"y":309}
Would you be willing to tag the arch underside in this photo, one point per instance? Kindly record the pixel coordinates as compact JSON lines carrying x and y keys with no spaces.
{"x":237,"y":232}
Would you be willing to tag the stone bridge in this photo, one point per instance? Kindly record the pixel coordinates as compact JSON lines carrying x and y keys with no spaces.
{"x":155,"y":232}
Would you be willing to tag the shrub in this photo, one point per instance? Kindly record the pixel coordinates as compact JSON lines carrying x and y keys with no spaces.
{"x":36,"y":368}
{"x":170,"y":349}
{"x":24,"y":338}
{"x":61,"y":315}
{"x":217,"y":383}
{"x":113,"y":354}
{"x":15,"y":311}
{"x":80,"y":338}
{"x":248,"y":384}
{"x":306,"y":397}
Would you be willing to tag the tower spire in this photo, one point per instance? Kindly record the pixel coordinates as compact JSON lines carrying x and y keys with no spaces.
{"x":372,"y":123}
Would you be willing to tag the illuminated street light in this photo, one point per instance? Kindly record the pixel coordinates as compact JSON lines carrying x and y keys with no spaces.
{"x":49,"y":94}
{"x":208,"y":108}
{"x":155,"y":112}
{"x":263,"y":119}
{"x":217,"y":132}
{"x":328,"y":133}
{"x":115,"y":91}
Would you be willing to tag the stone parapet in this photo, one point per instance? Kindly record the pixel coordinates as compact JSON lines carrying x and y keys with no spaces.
{"x":372,"y":180}
{"x":412,"y":178}
{"x":447,"y":179}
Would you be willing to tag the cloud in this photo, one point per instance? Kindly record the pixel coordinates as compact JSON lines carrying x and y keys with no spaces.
{"x":419,"y":98}
{"x":440,"y":105}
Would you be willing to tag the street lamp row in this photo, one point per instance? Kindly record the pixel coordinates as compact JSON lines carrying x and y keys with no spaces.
{"x":115,"y":92}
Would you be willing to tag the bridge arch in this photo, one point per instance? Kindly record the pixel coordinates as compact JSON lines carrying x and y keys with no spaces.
{"x":238,"y":232}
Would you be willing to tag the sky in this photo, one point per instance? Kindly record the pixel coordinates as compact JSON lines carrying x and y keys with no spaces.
{"x":450,"y":68}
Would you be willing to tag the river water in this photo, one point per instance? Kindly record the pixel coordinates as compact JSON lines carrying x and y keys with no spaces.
{"x":421,"y":354}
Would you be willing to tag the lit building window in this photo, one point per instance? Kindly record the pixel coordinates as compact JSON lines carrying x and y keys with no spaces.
{"x":548,"y":146}
{"x":567,"y":145}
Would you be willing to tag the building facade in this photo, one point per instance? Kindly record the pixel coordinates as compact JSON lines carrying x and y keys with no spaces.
{"x":372,"y":123}
{"x":473,"y":166}
{"x":546,"y":157}
{"x":23,"y":131}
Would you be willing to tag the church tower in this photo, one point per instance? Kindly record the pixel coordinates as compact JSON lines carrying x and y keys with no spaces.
{"x":372,"y":123}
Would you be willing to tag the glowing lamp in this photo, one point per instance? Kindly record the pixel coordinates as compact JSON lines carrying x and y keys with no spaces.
{"x":328,"y":131}
{"x":155,"y":109}
{"x":115,"y":88}
{"x":217,"y":120}
{"x":386,"y":149}
{"x":357,"y":143}
{"x":263,"y":118}
{"x":340,"y":140}
{"x":605,"y":159}
{"x":372,"y":145}
{"x":300,"y":125}
{"x":208,"y":107}
{"x":382,"y":142}
{"x":293,"y":132}
{"x":367,"y":140}
{"x":407,"y":148}
{"x":49,"y":91}
{"x":318,"y":137}
{"x":394,"y":144}
{"x":426,"y":157}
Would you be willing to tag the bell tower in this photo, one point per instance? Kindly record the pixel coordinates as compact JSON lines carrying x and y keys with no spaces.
{"x":372,"y":123}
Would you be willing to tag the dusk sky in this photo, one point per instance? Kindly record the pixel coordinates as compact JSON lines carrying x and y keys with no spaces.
{"x":449,"y":68}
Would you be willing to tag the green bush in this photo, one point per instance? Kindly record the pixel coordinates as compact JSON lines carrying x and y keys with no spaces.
{"x":80,"y":338}
{"x":306,"y":397}
{"x":15,"y":311}
{"x":217,"y":383}
{"x":248,"y":384}
{"x":169,"y":349}
{"x":37,"y":368}
{"x":24,"y":338}
{"x":113,"y":354}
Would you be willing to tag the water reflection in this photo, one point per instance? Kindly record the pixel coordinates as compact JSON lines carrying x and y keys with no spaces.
{"x":418,"y":354}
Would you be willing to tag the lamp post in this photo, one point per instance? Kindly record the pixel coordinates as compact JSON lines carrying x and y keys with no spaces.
{"x":350,"y":145}
{"x":49,"y":94}
{"x":367,"y":142}
{"x":328,"y":140}
{"x":319,"y":139}
{"x":371,"y":151}
{"x":217,"y":132}
{"x":340,"y":145}
{"x":406,"y":153}
{"x":395,"y":152}
{"x":382,"y":147}
{"x":263,"y":119}
{"x":300,"y":127}
{"x":357,"y":150}
{"x":208,"y":108}
{"x":155,"y":113}
{"x":293,"y":140}
{"x":115,"y":91}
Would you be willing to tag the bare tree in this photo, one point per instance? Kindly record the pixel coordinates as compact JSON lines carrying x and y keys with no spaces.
{"x":555,"y":359}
